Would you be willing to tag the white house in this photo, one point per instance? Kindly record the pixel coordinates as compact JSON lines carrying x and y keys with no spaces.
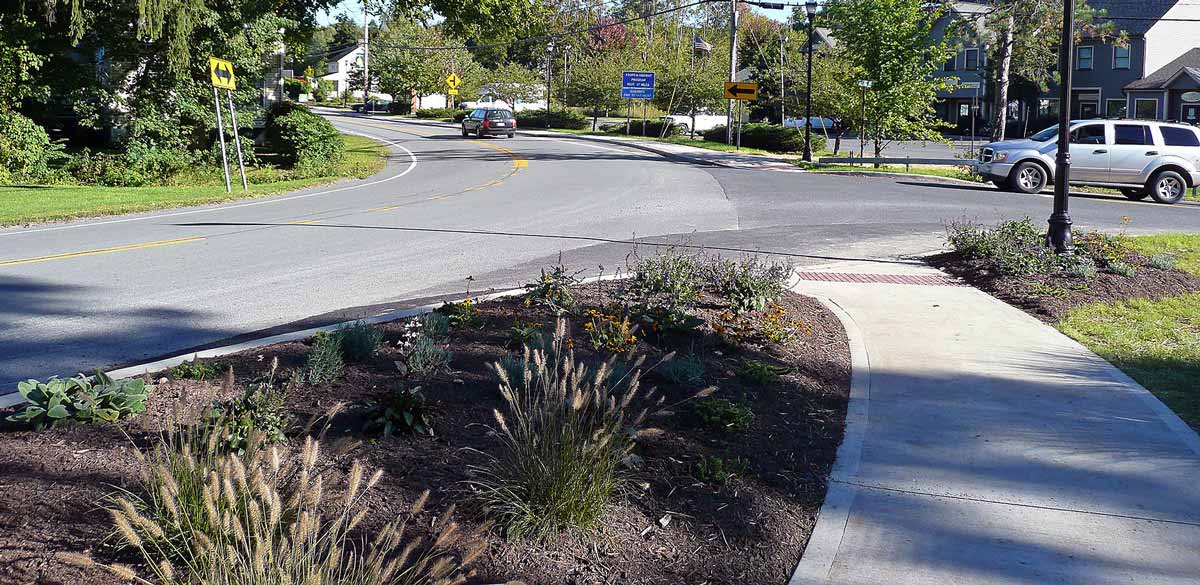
{"x":341,"y":64}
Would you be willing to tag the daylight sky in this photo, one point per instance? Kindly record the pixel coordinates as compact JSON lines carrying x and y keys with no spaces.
{"x":353,"y":8}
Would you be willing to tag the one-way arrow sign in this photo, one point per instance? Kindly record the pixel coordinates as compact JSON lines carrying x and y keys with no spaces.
{"x":741,"y":90}
{"x":221,"y":72}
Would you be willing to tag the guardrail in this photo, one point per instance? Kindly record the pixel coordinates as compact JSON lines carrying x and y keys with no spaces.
{"x":906,"y":161}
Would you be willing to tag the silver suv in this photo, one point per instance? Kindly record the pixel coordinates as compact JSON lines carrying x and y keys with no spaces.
{"x":1139,"y":157}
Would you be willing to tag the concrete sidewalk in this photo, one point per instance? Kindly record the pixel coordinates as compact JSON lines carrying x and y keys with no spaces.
{"x":983,"y":446}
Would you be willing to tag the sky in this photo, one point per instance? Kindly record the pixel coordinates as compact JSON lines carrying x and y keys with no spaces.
{"x":353,"y":8}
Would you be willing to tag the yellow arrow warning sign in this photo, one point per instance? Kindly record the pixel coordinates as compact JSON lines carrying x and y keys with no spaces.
{"x":453,"y":81}
{"x":222,"y":73}
{"x":741,"y":90}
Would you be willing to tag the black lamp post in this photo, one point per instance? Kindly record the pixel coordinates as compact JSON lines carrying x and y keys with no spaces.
{"x":810,"y":8}
{"x":1059,"y":235}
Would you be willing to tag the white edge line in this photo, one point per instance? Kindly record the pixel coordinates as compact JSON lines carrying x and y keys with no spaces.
{"x":818,"y":557}
{"x":411,"y":165}
{"x":12,"y":399}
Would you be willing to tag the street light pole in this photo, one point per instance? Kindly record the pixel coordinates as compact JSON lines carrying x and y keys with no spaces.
{"x":810,"y":8}
{"x":366,"y":60}
{"x":782,"y":89}
{"x":733,"y":64}
{"x":1059,"y":235}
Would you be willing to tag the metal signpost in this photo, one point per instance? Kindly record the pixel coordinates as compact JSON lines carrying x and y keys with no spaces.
{"x":221,"y":72}
{"x":974,"y":107}
{"x":742,"y":92}
{"x":452,"y":82}
{"x":637,"y":85}
{"x":862,"y":134}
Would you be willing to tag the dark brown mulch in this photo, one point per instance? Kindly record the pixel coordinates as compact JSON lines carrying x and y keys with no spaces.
{"x":1147,"y":283}
{"x":668,"y":526}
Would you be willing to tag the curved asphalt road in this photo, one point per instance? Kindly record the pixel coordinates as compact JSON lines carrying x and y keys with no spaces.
{"x":118,"y":291}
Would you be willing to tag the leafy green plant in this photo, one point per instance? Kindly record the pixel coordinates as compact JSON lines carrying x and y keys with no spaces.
{"x":358,"y":341}
{"x":403,"y":410}
{"x":760,"y":374}
{"x":777,"y":327}
{"x":718,"y":414}
{"x":427,"y":357}
{"x":1080,"y":267}
{"x":1163,"y":261}
{"x":1018,"y":248}
{"x":665,"y":319}
{"x":1041,"y":289}
{"x":1103,"y":249}
{"x":81,"y":399}
{"x":434,"y":325}
{"x":195,"y":370}
{"x":718,"y":470}
{"x":749,"y":284}
{"x":553,"y":289}
{"x":324,"y":363}
{"x":204,"y":515}
{"x":464,"y":313}
{"x":669,"y":274}
{"x":258,"y":411}
{"x":687,"y":369}
{"x":563,"y":437}
{"x":609,"y":332}
{"x":1122,"y":268}
{"x":524,"y":332}
{"x":304,"y":140}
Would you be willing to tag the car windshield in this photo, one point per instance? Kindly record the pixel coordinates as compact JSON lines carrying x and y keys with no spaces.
{"x":1046,"y":135}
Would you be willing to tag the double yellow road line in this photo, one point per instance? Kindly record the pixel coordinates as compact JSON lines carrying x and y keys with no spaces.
{"x":97,"y":252}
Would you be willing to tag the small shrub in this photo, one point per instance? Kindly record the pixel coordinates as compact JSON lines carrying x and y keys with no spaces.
{"x":195,"y":370}
{"x":609,"y":332}
{"x":258,"y":411}
{"x":563,"y":437}
{"x":718,"y":414}
{"x":437,"y":113}
{"x":1122,"y":268}
{"x":733,"y":329}
{"x":404,"y":410}
{"x":719,"y":471}
{"x":304,"y":140}
{"x":1103,"y":249}
{"x":80,"y":399}
{"x":1018,"y":248}
{"x":434,"y":325}
{"x":358,"y":341}
{"x":654,"y":128}
{"x":464,"y":313}
{"x":1041,"y":289}
{"x":26,"y":152}
{"x":687,"y":370}
{"x":1163,"y":262}
{"x":1080,"y":267}
{"x":524,"y":333}
{"x":749,"y":284}
{"x":553,"y":289}
{"x":324,"y":363}
{"x":674,"y":276}
{"x":769,"y":137}
{"x":777,"y":327}
{"x":567,"y":120}
{"x":427,"y":358}
{"x":760,"y":374}
{"x":203,"y":515}
{"x":662,"y":319}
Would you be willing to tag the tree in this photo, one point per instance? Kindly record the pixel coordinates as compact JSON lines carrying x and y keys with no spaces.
{"x":596,"y":83}
{"x":889,"y":41}
{"x":510,"y":82}
{"x":836,"y":94}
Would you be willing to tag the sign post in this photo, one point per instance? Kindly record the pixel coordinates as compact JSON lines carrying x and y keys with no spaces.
{"x":452,"y":82}
{"x":236,"y":140}
{"x":221,"y":72}
{"x":741,"y":92}
{"x":863,"y":84}
{"x":637,"y":85}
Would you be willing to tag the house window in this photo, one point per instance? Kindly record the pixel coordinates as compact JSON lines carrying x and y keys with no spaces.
{"x":971,"y":56}
{"x":951,"y":63}
{"x":1083,"y":57}
{"x":1047,"y":107}
{"x":1115,"y":108}
{"x":1144,"y":109}
{"x":1120,"y":57}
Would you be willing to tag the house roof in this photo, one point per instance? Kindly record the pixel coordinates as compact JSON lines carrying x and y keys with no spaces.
{"x":825,"y":35}
{"x":1146,"y":11}
{"x":337,"y":56}
{"x":1185,"y":64}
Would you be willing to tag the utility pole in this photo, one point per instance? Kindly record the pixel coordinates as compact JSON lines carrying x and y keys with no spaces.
{"x":549,"y":77}
{"x":733,"y":64}
{"x":366,"y":59}
{"x":782,"y":92}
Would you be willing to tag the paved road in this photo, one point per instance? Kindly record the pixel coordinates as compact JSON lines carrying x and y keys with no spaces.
{"x":119,"y":291}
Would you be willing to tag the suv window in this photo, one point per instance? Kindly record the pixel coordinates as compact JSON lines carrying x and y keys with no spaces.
{"x":499,"y":115}
{"x":477,"y":115}
{"x":1090,"y":134}
{"x":1173,"y":136}
{"x":1133,"y":134}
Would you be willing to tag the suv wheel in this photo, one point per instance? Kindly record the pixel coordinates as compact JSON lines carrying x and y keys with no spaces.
{"x":1028,"y":177}
{"x":1167,"y":187}
{"x":1135,"y":194}
{"x":464,"y":129}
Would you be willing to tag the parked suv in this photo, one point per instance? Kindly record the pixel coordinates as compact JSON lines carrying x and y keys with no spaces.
{"x":494,"y":121}
{"x":1139,"y":157}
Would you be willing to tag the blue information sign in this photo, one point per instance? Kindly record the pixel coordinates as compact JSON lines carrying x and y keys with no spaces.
{"x":637,"y":85}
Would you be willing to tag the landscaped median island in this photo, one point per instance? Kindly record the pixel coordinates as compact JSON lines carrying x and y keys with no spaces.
{"x":1133,"y":300}
{"x":676,"y":426}
{"x":299,"y":150}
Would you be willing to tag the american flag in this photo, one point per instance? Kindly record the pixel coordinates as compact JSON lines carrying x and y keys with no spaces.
{"x":699,"y":45}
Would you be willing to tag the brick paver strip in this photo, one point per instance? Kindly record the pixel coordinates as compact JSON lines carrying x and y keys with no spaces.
{"x":916,"y":279}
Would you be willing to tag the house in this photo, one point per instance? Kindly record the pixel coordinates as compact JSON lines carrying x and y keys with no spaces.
{"x":968,"y":91}
{"x":341,"y":65}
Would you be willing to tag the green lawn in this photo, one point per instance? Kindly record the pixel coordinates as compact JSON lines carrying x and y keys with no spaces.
{"x":37,"y":203}
{"x":952,"y":172}
{"x":1156,"y":342}
{"x":684,"y":140}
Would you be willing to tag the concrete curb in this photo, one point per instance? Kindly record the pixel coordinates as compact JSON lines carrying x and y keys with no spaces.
{"x":821,"y":552}
{"x":631,"y":144}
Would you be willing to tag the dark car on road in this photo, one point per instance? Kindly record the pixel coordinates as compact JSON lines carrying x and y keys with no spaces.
{"x":372,"y":106}
{"x":494,"y":121}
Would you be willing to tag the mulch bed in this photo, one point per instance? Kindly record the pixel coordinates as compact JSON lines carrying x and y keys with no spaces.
{"x":1147,"y":283}
{"x":667,"y":527}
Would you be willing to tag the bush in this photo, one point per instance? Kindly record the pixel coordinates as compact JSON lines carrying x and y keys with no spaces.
{"x":719,"y":471}
{"x":1018,"y":248}
{"x":749,"y":284}
{"x":434,"y":325}
{"x":758,"y":373}
{"x":80,"y":399}
{"x":1079,"y":267}
{"x":303,"y":140}
{"x":1163,"y":261}
{"x":436,"y":113}
{"x":464,"y":313}
{"x":203,"y":515}
{"x":568,"y":119}
{"x":718,"y":414}
{"x":403,"y":410}
{"x":687,"y":370}
{"x":553,"y":289}
{"x":769,"y":137}
{"x":1122,"y":268}
{"x":671,"y":275}
{"x":25,"y":149}
{"x":259,"y":411}
{"x":426,"y":357}
{"x":195,"y":370}
{"x":358,"y":341}
{"x":654,"y":128}
{"x":610,"y":332}
{"x":324,"y":363}
{"x":563,"y":438}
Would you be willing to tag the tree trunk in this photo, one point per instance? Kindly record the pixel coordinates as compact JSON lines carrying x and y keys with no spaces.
{"x":878,"y":150}
{"x":837,"y":143}
{"x":1002,"y":80}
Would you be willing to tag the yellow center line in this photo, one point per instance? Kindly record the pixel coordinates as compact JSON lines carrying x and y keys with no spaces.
{"x":302,"y":222}
{"x":99,"y":251}
{"x":518,"y":163}
{"x":388,"y":208}
{"x":439,"y":197}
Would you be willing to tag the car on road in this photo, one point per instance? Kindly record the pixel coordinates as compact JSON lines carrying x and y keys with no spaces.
{"x":373,"y":106}
{"x":1141,"y":158}
{"x":817,"y":122}
{"x":489,"y":121}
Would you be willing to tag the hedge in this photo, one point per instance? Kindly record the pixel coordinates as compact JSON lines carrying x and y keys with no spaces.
{"x":769,"y":137}
{"x":568,"y":120}
{"x":303,"y":140}
{"x":25,"y":149}
{"x":654,"y":128}
{"x":436,"y":113}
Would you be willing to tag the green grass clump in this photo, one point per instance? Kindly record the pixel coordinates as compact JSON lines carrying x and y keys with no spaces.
{"x":1185,"y":248}
{"x":195,"y":370}
{"x":720,"y":415}
{"x":718,"y":470}
{"x":427,"y":357}
{"x":325,"y":362}
{"x":686,"y":369}
{"x":758,"y":373}
{"x":358,"y":341}
{"x":1156,"y":342}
